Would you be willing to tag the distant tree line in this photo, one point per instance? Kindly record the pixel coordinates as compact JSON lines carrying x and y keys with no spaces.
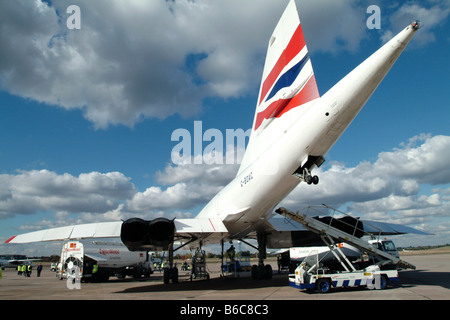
{"x":424,"y":247}
{"x":52,"y":258}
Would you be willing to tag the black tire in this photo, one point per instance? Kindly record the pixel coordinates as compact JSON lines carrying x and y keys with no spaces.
{"x":174,"y":275}
{"x":261,"y":273}
{"x":308,"y":179}
{"x":323,"y":286}
{"x":137,"y":273}
{"x":254,"y":272}
{"x":166,"y":275}
{"x":268,"y":271}
{"x":315,"y":179}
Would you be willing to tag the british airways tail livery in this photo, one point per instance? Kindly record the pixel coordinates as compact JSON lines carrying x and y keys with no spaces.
{"x":293,"y":129}
{"x":287,"y":83}
{"x":288,"y":72}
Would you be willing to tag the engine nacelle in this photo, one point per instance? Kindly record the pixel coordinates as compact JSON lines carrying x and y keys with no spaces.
{"x":147,"y":235}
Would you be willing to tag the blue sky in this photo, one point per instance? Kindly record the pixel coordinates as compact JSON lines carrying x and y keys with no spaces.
{"x":86,"y":116}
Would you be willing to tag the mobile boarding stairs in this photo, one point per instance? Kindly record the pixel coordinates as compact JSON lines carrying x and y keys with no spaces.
{"x":328,"y":230}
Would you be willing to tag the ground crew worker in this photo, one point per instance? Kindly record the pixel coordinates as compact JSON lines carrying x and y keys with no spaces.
{"x":39,"y":270}
{"x":29,"y":270}
{"x":231,"y":252}
{"x":1,"y":273}
{"x":24,"y":270}
{"x":19,"y":270}
{"x":94,"y":272}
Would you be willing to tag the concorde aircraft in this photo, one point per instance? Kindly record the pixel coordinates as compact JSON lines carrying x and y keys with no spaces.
{"x":293,"y":129}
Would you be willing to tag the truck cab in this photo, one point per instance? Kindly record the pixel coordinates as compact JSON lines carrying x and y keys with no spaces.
{"x":385,"y":245}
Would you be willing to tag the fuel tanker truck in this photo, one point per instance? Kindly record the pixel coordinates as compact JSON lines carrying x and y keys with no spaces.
{"x":97,"y":261}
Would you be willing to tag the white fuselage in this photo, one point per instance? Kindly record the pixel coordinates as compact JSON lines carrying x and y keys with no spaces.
{"x":314,"y":127}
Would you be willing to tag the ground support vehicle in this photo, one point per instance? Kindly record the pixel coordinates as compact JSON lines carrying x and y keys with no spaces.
{"x":312,"y":274}
{"x":244,"y":261}
{"x":231,"y":269}
{"x":198,"y":270}
{"x":240,"y":263}
{"x":97,"y":261}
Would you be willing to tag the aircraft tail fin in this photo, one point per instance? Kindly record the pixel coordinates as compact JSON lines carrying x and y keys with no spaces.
{"x":288,"y":78}
{"x":288,"y":74}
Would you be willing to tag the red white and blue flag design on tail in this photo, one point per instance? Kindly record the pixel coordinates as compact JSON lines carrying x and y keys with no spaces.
{"x":288,"y":78}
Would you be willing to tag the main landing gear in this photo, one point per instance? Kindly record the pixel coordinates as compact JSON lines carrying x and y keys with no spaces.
{"x":308,"y":178}
{"x":304,"y":171}
{"x":261,"y":271}
{"x":304,"y":174}
{"x":171,"y":272}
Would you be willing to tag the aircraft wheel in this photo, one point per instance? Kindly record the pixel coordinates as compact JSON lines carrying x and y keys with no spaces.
{"x":174,"y":275}
{"x":308,"y":179}
{"x":268,"y":271}
{"x":166,"y":275}
{"x":254,"y":272}
{"x":261,"y":272}
{"x":315,"y":179}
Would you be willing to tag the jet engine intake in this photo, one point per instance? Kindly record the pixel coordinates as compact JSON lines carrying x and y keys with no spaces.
{"x":146,"y":235}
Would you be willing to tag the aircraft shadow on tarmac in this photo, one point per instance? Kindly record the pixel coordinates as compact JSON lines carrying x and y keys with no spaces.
{"x":424,"y":277}
{"x":213,"y":284}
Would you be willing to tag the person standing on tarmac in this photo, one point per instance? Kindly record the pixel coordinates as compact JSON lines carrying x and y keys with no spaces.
{"x":39,"y":270}
{"x":94,"y":272}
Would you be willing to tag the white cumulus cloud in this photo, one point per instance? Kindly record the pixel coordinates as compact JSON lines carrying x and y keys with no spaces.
{"x":152,"y":59}
{"x":389,"y":189}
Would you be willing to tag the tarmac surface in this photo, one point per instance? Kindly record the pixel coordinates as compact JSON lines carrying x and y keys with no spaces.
{"x":430,"y":281}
